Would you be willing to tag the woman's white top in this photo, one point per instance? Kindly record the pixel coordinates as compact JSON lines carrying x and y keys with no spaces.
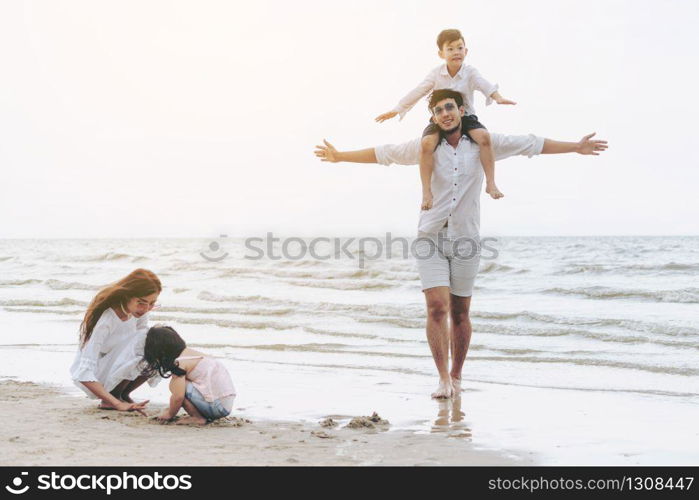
{"x":113,"y":352}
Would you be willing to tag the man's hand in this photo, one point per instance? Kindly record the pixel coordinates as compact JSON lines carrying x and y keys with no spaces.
{"x":327,"y":152}
{"x":586,"y":146}
{"x":385,"y":116}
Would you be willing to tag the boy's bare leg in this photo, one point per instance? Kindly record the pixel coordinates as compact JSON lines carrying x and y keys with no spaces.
{"x":429,"y":143}
{"x":460,"y":336}
{"x":482,"y":137}
{"x":194,"y":416}
{"x":437,"y":301}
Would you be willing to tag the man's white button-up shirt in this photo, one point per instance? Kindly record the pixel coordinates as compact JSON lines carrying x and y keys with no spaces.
{"x":457,"y":179}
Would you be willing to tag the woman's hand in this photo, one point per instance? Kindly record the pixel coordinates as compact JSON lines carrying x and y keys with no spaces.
{"x":138,"y":407}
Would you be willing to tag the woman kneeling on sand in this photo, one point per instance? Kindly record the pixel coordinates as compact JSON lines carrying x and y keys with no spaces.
{"x":112,"y":337}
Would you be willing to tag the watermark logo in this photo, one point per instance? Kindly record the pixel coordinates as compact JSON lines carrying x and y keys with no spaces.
{"x":216,"y":255}
{"x":361,"y":249}
{"x":17,"y":483}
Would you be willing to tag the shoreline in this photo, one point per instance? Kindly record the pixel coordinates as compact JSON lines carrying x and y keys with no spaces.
{"x":43,"y":425}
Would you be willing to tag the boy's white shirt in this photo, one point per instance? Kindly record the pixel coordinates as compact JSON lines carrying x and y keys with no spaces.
{"x":466,"y":81}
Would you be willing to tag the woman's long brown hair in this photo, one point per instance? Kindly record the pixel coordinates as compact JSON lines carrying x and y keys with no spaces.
{"x":139,"y":283}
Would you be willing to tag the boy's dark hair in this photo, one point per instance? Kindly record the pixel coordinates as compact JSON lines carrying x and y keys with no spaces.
{"x":163,"y":346}
{"x":441,"y":94}
{"x":448,"y":36}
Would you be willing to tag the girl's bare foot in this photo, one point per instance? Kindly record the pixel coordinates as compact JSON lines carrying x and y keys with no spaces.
{"x":444,"y":390}
{"x":493,"y":191}
{"x":190,"y":421}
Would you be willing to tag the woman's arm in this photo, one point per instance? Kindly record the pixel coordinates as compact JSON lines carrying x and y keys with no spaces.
{"x":98,"y":390}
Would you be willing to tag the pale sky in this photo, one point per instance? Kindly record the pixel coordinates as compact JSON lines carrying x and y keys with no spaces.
{"x":197,"y":118}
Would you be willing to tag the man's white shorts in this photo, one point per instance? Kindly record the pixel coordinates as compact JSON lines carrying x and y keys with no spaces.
{"x":445,"y":262}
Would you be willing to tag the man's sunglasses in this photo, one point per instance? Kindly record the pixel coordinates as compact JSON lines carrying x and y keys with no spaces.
{"x":447,"y":107}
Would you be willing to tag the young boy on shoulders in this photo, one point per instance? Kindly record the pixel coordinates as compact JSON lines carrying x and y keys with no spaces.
{"x":464,"y":79}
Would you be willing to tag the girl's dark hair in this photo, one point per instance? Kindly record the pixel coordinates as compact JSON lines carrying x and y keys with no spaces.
{"x":163,"y":347}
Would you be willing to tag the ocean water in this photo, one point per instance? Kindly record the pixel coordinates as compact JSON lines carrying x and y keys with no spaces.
{"x":584,"y":349}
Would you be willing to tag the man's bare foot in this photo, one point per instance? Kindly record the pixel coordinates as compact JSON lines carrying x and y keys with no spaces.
{"x":126,"y":398}
{"x":493,"y":191}
{"x":456,"y":384}
{"x":444,"y":390}
{"x":105,"y":406}
{"x":190,"y":421}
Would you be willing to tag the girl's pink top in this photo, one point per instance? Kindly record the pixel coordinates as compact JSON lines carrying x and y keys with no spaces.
{"x":211,"y":378}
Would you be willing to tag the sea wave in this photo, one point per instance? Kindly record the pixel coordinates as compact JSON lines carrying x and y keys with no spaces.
{"x":369,"y":336}
{"x":64,"y":312}
{"x":663,"y":369}
{"x":225,"y":323}
{"x":4,"y":283}
{"x":258,"y":311}
{"x":345,"y":284}
{"x":105,"y":257}
{"x":667,"y":268}
{"x":612,"y":338}
{"x":625,"y":324}
{"x":381,"y":310}
{"x":42,"y":303}
{"x":301,"y":263}
{"x":413,"y":316}
{"x":683,"y":295}
{"x":494,"y":267}
{"x":64,"y":285}
{"x":329,"y":274}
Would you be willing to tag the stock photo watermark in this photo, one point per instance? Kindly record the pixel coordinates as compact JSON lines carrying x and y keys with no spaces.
{"x":361,"y":249}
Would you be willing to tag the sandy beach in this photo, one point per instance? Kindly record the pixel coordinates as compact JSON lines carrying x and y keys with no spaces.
{"x":44,"y":426}
{"x":565,"y":371}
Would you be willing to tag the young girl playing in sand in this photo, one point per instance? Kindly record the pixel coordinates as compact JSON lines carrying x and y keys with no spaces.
{"x":200,"y":384}
{"x":112,"y":336}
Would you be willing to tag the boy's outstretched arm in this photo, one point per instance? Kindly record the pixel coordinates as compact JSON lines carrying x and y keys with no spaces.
{"x":495,"y":96}
{"x":327,"y":152}
{"x":407,"y":103}
{"x":585,"y":146}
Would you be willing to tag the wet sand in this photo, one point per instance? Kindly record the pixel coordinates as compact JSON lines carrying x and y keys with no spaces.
{"x":42,"y":425}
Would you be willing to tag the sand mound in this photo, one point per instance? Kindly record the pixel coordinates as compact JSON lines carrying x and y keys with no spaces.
{"x":368,"y":422}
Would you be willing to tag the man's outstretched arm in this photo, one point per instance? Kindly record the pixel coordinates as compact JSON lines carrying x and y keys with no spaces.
{"x":504,"y":146}
{"x":327,"y":152}
{"x":585,"y":146}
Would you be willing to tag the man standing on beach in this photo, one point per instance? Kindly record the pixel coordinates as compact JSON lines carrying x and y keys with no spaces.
{"x":448,"y":245}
